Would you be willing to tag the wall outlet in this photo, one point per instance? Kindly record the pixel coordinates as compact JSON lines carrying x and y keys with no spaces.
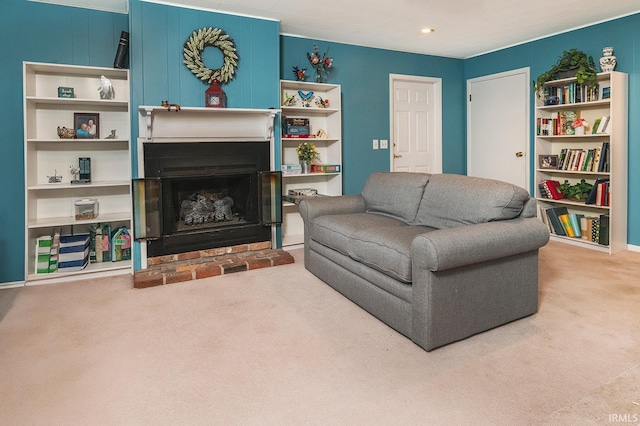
{"x":384,"y":144}
{"x":375,"y":144}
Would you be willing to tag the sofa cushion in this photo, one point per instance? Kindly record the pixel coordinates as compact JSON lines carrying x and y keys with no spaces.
{"x":454,"y":200}
{"x":396,"y":194}
{"x":335,"y":231}
{"x":386,"y":249}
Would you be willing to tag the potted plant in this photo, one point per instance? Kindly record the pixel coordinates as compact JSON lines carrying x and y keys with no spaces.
{"x":572,"y":63}
{"x":307,"y":152}
{"x":577,"y":192}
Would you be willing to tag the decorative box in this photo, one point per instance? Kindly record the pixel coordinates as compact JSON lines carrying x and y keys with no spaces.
{"x":85,"y":209}
{"x":295,"y":126}
{"x":291,"y":169}
{"x":65,"y":92}
{"x":303,"y":191}
{"x":325,"y":168}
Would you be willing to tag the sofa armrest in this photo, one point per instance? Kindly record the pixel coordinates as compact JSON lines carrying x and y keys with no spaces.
{"x":312,"y":207}
{"x":448,"y":248}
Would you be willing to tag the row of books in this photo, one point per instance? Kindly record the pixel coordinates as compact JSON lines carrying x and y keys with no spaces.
{"x":575,"y":225}
{"x":580,"y":160}
{"x":569,"y":94}
{"x":560,"y":124}
{"x":600,"y":193}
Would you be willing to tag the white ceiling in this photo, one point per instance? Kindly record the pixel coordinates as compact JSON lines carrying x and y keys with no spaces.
{"x":463,"y":28}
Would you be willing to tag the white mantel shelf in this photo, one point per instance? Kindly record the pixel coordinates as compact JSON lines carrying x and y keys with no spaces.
{"x":190,"y":124}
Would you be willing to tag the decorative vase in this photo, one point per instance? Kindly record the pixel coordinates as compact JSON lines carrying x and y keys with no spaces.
{"x":580,"y":131}
{"x":608,"y":61}
{"x":320,"y":76}
{"x":306,"y":166}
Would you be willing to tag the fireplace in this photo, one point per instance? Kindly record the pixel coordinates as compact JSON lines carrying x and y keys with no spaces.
{"x":203,"y":192}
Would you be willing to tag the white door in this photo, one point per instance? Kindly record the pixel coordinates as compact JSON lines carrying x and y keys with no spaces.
{"x":416,"y":125}
{"x":498,"y":127}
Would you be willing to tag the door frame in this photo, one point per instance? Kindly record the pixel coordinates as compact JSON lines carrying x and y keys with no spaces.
{"x":527,"y":153}
{"x":437,"y":114}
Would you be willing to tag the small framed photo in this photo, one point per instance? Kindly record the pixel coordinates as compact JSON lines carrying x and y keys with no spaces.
{"x":605,"y":90}
{"x":548,"y":161}
{"x":86,"y":125}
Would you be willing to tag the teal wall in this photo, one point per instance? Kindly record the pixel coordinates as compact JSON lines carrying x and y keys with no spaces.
{"x":158,"y":33}
{"x":47,"y":33}
{"x":41,"y":33}
{"x":624,"y":36}
{"x":363,"y":74}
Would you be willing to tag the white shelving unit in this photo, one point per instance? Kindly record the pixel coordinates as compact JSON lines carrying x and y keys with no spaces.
{"x":49,"y":206}
{"x":328,"y":119}
{"x":616,"y":107}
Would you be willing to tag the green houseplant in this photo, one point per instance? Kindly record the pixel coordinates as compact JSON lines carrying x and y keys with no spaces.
{"x":577,"y":192}
{"x":572,"y":63}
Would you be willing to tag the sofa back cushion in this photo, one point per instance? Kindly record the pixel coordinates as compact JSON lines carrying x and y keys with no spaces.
{"x":454,"y":200}
{"x":395,"y":194}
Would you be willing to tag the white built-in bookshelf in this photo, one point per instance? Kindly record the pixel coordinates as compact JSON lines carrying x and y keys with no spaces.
{"x":575,"y":154}
{"x":50,"y":206}
{"x":328,"y":119}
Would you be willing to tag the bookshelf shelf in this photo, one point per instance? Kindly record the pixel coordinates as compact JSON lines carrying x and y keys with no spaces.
{"x":581,"y":152}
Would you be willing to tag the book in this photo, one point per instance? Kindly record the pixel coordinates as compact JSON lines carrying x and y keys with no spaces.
{"x":574,"y":219}
{"x":552,"y":188}
{"x":566,"y":118}
{"x":592,"y":197}
{"x":566,"y":224}
{"x":604,"y":230}
{"x":602,"y":126}
{"x":553,"y":213}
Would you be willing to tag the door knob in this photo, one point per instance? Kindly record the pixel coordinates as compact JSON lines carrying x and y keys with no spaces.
{"x":397,"y":156}
{"x":519,"y":154}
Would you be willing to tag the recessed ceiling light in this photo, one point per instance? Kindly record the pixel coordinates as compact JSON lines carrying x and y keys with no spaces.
{"x":426,"y":30}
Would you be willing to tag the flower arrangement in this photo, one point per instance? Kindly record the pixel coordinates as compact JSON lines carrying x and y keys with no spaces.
{"x":320,"y":64}
{"x":580,"y":122}
{"x":307,"y":152}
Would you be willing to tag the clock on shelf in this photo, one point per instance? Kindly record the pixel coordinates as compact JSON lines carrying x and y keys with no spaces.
{"x":214,"y":96}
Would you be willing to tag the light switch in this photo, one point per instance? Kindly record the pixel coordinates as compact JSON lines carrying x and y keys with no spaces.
{"x":375,"y":144}
{"x":384,"y":144}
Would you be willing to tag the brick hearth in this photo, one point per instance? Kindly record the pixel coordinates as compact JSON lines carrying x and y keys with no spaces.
{"x":209,"y":263}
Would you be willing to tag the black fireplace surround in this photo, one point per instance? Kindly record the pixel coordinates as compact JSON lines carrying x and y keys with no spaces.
{"x":202,"y":195}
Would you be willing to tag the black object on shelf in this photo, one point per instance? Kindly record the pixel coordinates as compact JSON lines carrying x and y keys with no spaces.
{"x":123,"y":50}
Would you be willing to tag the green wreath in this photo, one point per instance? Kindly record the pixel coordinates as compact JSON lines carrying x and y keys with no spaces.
{"x":214,"y":37}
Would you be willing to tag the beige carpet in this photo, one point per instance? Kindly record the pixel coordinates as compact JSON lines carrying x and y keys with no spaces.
{"x":276,"y":346}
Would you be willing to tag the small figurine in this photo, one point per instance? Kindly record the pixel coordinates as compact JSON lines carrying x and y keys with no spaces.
{"x":299,"y":73}
{"x":75,"y":171}
{"x":168,"y":106}
{"x":322,"y":103}
{"x":56,"y":178}
{"x":112,"y":135}
{"x":306,"y":98}
{"x":106,"y":88}
{"x":289,"y":100}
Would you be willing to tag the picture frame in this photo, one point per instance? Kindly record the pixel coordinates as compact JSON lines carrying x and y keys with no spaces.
{"x":605,"y":90}
{"x":86,"y":125}
{"x":547,"y":161}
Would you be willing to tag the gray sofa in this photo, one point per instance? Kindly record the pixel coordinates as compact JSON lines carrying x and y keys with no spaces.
{"x":436,"y":257}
